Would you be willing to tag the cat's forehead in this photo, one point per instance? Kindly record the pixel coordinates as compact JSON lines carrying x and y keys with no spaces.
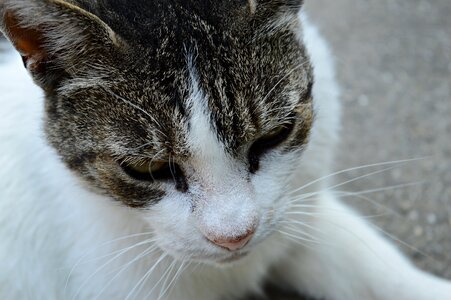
{"x":239,"y":100}
{"x":247,"y":78}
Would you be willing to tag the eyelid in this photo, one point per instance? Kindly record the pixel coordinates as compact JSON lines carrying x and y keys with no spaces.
{"x":143,"y":170}
{"x":265,"y":144}
{"x":168,"y":170}
{"x":307,"y":94}
{"x":278,"y":137}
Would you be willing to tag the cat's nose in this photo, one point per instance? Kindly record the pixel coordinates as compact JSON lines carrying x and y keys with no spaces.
{"x":234,"y":243}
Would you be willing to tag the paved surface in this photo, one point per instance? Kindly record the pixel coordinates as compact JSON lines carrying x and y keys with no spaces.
{"x":394,"y":64}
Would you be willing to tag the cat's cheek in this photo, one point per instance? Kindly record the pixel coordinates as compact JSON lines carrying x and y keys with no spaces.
{"x":275,"y":169}
{"x":171,"y":221}
{"x":271,"y":184}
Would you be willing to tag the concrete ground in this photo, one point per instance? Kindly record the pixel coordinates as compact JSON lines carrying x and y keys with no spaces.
{"x":394,"y":65}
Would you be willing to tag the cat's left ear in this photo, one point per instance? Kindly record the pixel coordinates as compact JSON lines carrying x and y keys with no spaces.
{"x":55,"y":38}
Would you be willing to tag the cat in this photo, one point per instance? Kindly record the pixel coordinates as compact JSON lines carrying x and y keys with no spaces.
{"x":178,"y":150}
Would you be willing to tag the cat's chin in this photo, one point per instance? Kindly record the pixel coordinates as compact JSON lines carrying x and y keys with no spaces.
{"x":232,"y":259}
{"x":220,"y":260}
{"x":225,"y":261}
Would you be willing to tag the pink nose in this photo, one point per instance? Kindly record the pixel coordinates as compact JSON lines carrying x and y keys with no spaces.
{"x":234,"y":243}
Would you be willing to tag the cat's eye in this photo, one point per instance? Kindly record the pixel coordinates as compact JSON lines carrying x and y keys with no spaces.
{"x":149,"y":170}
{"x":142,"y":168}
{"x":267,"y":142}
{"x":156,"y":170}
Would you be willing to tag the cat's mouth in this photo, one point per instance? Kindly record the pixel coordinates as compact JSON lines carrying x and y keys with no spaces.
{"x":233,"y":258}
{"x":222,"y":260}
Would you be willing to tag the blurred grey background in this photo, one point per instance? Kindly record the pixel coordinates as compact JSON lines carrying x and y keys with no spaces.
{"x":394,"y":66}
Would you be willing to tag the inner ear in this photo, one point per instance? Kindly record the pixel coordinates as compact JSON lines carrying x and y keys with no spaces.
{"x":28,"y":42}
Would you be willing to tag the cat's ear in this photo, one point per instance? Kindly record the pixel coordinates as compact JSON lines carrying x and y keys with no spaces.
{"x":55,"y":38}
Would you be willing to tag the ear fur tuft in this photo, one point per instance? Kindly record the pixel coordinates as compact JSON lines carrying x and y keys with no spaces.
{"x":54,"y":35}
{"x":27,"y":41}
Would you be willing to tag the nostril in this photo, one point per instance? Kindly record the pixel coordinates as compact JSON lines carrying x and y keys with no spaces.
{"x":234,"y":243}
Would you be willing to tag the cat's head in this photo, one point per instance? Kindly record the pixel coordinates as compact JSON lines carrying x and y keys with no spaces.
{"x":194,"y":112}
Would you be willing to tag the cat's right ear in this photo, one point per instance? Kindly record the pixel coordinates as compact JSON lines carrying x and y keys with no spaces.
{"x":56,"y":39}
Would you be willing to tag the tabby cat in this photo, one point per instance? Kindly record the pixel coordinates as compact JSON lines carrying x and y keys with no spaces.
{"x":187,"y":155}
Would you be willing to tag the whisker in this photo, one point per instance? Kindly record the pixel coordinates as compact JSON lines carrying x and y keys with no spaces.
{"x":126,"y":266}
{"x":356,"y":168}
{"x":84,"y":255}
{"x":344,"y":194}
{"x":163,"y":285}
{"x":361,"y":177}
{"x":152,"y":160}
{"x":364,"y":192}
{"x":164,"y":276}
{"x":383,"y":189}
{"x":151,"y":143}
{"x":330,"y":189}
{"x":178,"y":277}
{"x":353,"y":179}
{"x":175,"y":277}
{"x":394,"y":238}
{"x":300,"y":223}
{"x":362,"y":241}
{"x":114,"y":252}
{"x":304,"y":213}
{"x":297,"y":241}
{"x":104,"y":265}
{"x":172,"y":170}
{"x":360,"y":195}
{"x":306,"y":205}
{"x":282,"y":79}
{"x":298,"y":237}
{"x":302,"y":232}
{"x":334,"y":211}
{"x":145,"y":276}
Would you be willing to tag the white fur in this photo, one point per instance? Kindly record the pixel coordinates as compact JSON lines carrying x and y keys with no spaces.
{"x":224,"y":201}
{"x":55,"y":234}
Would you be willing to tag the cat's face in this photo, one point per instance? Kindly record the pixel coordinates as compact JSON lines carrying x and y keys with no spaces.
{"x":195,"y":119}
